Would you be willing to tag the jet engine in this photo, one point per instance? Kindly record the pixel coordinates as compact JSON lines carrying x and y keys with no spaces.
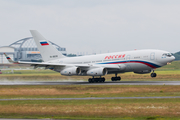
{"x":71,"y":71}
{"x":142,"y":72}
{"x":97,"y":72}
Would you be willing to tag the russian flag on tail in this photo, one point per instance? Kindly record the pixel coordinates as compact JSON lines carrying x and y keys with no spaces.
{"x":44,"y":43}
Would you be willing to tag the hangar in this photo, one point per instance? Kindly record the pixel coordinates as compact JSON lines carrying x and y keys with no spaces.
{"x":25,"y":50}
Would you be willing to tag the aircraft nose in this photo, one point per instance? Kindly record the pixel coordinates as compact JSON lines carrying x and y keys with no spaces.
{"x":172,"y":58}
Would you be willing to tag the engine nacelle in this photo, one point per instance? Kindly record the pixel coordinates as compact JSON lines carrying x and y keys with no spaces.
{"x":142,"y":72}
{"x":71,"y":71}
{"x":97,"y":72}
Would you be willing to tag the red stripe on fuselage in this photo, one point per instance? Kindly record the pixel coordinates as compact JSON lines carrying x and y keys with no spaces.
{"x":143,"y":63}
{"x":135,"y":62}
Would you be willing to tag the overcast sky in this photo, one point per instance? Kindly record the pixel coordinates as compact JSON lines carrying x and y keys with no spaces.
{"x":94,"y":25}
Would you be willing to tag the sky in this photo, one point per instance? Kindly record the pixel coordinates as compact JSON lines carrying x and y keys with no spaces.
{"x":94,"y":26}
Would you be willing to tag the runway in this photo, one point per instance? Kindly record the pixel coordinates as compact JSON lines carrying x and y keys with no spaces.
{"x":90,"y":98}
{"x":87,"y":83}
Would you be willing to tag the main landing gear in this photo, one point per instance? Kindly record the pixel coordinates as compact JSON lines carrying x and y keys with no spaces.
{"x":116,"y":78}
{"x":153,"y":74}
{"x":96,"y":80}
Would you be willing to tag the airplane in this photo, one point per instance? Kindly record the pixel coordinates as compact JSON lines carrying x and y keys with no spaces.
{"x":137,"y":61}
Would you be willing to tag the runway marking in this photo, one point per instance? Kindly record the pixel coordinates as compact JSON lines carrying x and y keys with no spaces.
{"x":91,"y":98}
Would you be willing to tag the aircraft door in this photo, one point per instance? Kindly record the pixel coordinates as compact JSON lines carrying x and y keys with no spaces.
{"x":152,"y":56}
{"x":128,"y":57}
{"x":128,"y":65}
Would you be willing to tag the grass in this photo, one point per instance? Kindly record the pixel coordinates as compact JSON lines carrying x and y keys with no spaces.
{"x":128,"y":109}
{"x":93,"y":109}
{"x":175,"y":65}
{"x":81,"y":91}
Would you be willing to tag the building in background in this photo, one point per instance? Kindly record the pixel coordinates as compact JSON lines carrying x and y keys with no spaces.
{"x":25,"y":50}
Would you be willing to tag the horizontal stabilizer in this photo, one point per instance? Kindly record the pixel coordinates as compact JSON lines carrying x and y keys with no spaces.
{"x":9,"y":59}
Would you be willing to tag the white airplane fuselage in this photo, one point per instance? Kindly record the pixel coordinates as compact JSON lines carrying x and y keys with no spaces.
{"x":128,"y":61}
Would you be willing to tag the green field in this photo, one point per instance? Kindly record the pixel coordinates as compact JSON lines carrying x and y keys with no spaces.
{"x":175,"y":65}
{"x":126,"y":109}
{"x":82,"y":91}
{"x":144,"y":109}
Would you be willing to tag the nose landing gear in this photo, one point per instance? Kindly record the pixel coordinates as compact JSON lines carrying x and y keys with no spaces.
{"x":153,"y":74}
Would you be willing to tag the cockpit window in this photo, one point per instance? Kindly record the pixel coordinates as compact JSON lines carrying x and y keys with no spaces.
{"x":167,"y":54}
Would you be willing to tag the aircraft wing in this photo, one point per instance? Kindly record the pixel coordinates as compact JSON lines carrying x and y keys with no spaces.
{"x":43,"y":64}
{"x":48,"y":65}
{"x":82,"y":66}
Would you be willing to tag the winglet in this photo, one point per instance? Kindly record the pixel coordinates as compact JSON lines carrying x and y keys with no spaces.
{"x":9,"y":59}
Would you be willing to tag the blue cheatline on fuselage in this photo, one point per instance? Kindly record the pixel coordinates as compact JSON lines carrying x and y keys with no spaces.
{"x":152,"y":65}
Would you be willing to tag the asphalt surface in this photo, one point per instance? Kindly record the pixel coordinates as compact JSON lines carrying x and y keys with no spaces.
{"x":90,"y":98}
{"x":87,"y":83}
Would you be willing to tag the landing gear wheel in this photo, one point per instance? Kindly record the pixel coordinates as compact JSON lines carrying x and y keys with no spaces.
{"x":90,"y":80}
{"x":153,"y":75}
{"x":118,"y":78}
{"x":103,"y":79}
{"x":115,"y":78}
{"x":96,"y":80}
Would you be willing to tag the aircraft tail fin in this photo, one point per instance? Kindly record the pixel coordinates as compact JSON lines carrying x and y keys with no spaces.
{"x":48,"y":52}
{"x":9,"y":59}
